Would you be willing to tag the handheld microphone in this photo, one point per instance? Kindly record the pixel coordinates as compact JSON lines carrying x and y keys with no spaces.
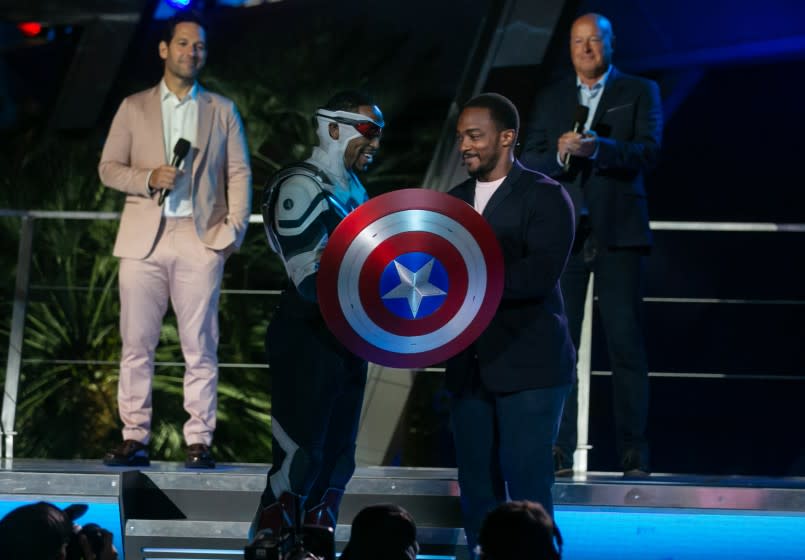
{"x":180,"y":151}
{"x":582,"y":111}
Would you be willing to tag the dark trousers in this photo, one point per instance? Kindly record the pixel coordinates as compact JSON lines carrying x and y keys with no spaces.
{"x":503,"y":446}
{"x":316,"y":399}
{"x":619,"y":288}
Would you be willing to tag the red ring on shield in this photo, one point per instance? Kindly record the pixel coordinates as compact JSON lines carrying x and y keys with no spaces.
{"x":373,"y":236}
{"x":386,"y":252}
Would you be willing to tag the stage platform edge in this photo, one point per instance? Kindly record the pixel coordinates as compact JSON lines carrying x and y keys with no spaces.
{"x":166,"y":511}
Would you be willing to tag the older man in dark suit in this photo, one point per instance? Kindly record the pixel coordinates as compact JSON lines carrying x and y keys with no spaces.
{"x":602,"y":163}
{"x":508,"y":388}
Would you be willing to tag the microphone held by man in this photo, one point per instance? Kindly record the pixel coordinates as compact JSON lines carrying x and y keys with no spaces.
{"x":163,"y":177}
{"x":580,"y":117}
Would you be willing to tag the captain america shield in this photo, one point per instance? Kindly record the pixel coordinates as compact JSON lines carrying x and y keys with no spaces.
{"x":410,"y":278}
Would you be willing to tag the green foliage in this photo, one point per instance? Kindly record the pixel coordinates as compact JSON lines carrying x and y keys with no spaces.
{"x":69,"y":379}
{"x":65,"y":404}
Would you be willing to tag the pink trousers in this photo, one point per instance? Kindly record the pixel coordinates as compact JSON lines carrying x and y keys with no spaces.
{"x":183,"y":270}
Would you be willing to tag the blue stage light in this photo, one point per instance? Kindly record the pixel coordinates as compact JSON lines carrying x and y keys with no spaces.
{"x":168,"y":8}
{"x":179,"y":4}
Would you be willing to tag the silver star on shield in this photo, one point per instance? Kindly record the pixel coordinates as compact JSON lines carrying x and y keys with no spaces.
{"x":414,"y":286}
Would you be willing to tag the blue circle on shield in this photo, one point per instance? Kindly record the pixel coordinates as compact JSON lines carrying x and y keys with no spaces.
{"x":413,"y":285}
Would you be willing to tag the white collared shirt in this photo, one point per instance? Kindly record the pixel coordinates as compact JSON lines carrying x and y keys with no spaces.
{"x":179,"y":120}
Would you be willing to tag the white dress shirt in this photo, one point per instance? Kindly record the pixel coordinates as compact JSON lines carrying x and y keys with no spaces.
{"x":179,"y":120}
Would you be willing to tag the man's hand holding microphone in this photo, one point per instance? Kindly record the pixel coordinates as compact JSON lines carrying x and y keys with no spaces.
{"x":577,"y":142}
{"x":163,"y":178}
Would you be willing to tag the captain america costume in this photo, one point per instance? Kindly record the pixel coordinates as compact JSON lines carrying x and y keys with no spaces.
{"x":317,"y":384}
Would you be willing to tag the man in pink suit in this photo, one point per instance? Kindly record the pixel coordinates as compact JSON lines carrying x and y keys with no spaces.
{"x":181,"y":220}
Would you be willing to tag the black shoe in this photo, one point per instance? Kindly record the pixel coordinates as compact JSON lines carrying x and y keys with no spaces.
{"x":562,"y":464}
{"x":130,"y":453}
{"x":635,"y":464}
{"x":199,"y":457}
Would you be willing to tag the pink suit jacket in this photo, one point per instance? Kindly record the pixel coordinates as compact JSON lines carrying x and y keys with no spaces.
{"x":221,"y":192}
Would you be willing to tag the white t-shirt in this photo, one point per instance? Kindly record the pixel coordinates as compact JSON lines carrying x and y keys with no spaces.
{"x":484,"y":191}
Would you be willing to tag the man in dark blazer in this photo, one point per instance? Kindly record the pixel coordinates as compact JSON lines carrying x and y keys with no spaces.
{"x":508,"y":388}
{"x":602,"y":162}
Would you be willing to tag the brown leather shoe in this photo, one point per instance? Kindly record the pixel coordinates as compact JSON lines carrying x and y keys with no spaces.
{"x":199,"y":457}
{"x":130,"y":453}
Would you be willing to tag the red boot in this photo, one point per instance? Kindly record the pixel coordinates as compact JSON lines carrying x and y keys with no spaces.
{"x":280,"y":515}
{"x":325,"y":514}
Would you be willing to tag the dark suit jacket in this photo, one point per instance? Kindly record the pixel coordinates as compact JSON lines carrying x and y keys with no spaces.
{"x":527,"y":344}
{"x":628,"y":121}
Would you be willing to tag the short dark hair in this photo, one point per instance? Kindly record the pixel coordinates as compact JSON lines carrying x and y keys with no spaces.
{"x":501,"y":109}
{"x":516,"y":529}
{"x":182,"y":16}
{"x":36,"y":531}
{"x":348,"y":100}
{"x":382,"y":531}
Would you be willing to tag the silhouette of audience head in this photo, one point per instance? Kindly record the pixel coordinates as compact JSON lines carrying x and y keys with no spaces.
{"x":519,"y":530}
{"x":38,"y":531}
{"x":382,"y":531}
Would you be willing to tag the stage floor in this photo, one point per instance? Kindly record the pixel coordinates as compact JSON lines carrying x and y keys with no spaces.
{"x":168,"y":512}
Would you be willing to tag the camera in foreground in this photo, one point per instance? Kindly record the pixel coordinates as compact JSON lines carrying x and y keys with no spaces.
{"x":310,"y":542}
{"x":94,"y":534}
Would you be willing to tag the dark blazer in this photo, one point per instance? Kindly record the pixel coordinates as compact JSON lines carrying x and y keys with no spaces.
{"x":527,"y":344}
{"x":628,"y":121}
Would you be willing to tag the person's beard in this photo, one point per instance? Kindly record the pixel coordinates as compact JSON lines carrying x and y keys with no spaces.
{"x":484,"y":169}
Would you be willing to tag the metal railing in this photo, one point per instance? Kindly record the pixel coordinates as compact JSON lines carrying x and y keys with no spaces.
{"x":22,"y":287}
